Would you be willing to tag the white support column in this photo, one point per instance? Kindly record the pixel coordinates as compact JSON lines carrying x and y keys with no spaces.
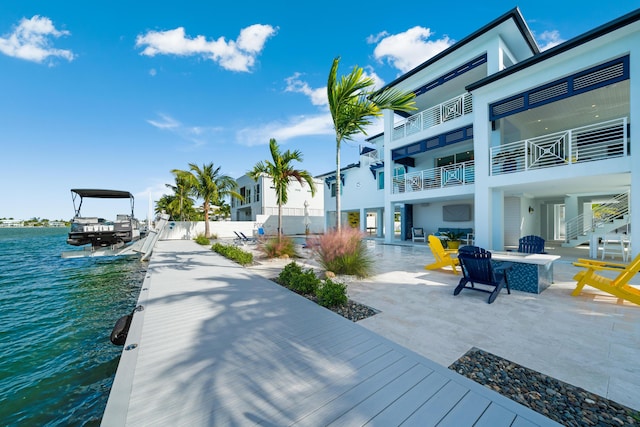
{"x":363,"y":220}
{"x":380,"y":223}
{"x":388,"y":177}
{"x":482,"y":134}
{"x":389,"y":234}
{"x":570,"y":207}
{"x":634,"y":112}
{"x":497,"y":220}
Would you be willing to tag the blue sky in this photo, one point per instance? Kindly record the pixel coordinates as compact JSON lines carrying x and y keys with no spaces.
{"x":116,"y":94}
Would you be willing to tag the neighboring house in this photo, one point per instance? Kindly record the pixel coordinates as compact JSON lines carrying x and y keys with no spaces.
{"x":260,"y":205}
{"x":509,"y":140}
{"x":362,"y":191}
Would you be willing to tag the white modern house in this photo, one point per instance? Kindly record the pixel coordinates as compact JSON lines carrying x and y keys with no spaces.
{"x":302,"y":211}
{"x":508,"y":140}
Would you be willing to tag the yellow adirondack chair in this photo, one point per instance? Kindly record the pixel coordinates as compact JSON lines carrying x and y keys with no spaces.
{"x":443,"y":256}
{"x":619,"y":286}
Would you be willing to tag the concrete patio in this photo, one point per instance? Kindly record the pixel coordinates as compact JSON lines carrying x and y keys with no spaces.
{"x":590,"y":341}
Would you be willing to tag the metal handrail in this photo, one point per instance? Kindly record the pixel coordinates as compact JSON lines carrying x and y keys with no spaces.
{"x":615,"y":208}
{"x":445,"y":176}
{"x":589,"y":143}
{"x":453,"y":108}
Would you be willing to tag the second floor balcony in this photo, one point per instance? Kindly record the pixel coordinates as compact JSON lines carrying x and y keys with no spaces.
{"x":453,"y":108}
{"x":594,"y":142}
{"x":441,"y":177}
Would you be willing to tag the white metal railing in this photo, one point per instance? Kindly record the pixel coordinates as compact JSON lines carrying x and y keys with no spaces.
{"x":584,"y":144}
{"x":444,"y":176}
{"x":273,"y":210}
{"x":448,"y":110}
{"x":374,"y":156}
{"x":615,"y":208}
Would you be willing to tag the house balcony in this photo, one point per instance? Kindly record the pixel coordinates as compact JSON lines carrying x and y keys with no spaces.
{"x":373,"y":156}
{"x":456,"y":107}
{"x":590,"y":143}
{"x":442,"y":177}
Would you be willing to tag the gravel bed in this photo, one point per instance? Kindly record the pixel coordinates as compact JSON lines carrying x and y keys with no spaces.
{"x":560,"y":401}
{"x":352,"y":310}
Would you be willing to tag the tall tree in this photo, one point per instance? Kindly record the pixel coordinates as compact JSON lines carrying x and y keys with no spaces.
{"x":182,"y":202}
{"x":167,"y":204}
{"x":281,"y":171}
{"x":209,"y":185}
{"x":353,"y":105}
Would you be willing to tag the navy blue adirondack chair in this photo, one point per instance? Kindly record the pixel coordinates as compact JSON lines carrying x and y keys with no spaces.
{"x":531,"y":245}
{"x":477,"y":269}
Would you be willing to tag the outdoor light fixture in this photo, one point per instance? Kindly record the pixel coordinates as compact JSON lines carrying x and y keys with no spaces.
{"x":530,"y":210}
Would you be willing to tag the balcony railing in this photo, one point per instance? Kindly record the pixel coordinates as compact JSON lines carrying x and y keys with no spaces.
{"x":448,"y":110}
{"x":616,"y":207}
{"x":445,"y":176}
{"x":273,"y":210}
{"x":374,"y":156}
{"x":584,"y":144}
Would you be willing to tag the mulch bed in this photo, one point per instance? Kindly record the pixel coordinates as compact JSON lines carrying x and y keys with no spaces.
{"x":560,"y":401}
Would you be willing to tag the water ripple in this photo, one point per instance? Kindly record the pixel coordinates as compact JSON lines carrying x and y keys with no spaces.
{"x":56,"y":361}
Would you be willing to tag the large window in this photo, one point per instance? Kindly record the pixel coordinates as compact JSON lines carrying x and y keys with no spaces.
{"x":465,"y":156}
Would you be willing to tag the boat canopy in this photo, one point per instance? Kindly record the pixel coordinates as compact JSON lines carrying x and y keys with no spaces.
{"x":103,"y":194}
{"x":98,"y":194}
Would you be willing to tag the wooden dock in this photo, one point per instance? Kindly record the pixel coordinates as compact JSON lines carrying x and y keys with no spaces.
{"x":218,"y":345}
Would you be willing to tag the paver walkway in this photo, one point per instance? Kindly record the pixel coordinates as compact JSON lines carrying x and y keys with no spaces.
{"x":217,"y":344}
{"x":590,"y":341}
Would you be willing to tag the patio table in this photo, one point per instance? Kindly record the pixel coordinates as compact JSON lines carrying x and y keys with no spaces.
{"x":530,"y":272}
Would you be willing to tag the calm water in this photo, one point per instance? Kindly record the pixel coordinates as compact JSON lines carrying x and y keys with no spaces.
{"x":56,"y":361}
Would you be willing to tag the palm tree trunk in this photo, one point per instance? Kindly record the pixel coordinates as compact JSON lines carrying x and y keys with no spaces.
{"x":279,"y":216}
{"x":206,"y":219}
{"x":338,"y":212}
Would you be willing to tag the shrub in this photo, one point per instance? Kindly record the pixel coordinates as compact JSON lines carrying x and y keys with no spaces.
{"x":289,"y":273}
{"x":303,"y":282}
{"x":233,"y":253}
{"x":275,"y":247}
{"x":343,"y":252}
{"x":201,"y":240}
{"x":332,"y":294}
{"x":306,"y":283}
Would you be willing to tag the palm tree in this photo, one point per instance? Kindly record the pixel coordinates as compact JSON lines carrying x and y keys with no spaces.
{"x":182,"y":203}
{"x":167,"y":205}
{"x":281,"y":171}
{"x":209,"y":185}
{"x":353,"y":106}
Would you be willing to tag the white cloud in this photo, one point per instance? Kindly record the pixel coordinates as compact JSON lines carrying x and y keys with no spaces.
{"x":407,"y":50}
{"x":153,"y":72}
{"x":166,"y":123}
{"x":317,"y":96}
{"x":196,"y":135}
{"x":296,"y":127}
{"x":232,"y":55}
{"x":31,"y":41}
{"x":549,"y":39}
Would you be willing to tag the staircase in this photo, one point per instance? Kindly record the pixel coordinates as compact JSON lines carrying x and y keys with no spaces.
{"x":606,"y":218}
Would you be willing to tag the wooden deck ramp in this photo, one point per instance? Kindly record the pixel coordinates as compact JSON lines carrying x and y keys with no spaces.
{"x":218,"y":345}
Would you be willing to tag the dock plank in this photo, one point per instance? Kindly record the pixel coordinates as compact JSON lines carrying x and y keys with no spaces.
{"x":219,"y":345}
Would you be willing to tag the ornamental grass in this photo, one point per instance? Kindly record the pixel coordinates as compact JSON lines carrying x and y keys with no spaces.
{"x":343,"y":252}
{"x":276,"y":247}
